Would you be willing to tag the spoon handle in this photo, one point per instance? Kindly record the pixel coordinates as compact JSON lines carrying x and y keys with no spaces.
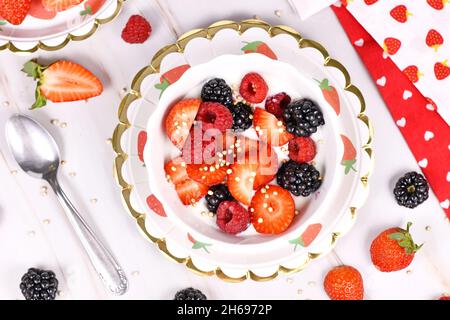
{"x":103,"y":261}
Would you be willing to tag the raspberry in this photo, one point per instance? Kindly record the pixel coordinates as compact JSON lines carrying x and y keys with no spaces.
{"x":232,"y":217}
{"x":275,"y":104}
{"x":137,"y":30}
{"x":253,"y":88}
{"x":302,"y":149}
{"x":213,"y":115}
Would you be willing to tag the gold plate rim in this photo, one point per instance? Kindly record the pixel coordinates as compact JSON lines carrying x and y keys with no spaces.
{"x":179,"y":46}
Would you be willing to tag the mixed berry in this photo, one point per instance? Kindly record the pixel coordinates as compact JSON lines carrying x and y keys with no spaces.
{"x":229,"y":153}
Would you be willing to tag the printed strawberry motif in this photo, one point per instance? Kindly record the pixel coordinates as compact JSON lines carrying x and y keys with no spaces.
{"x":198,"y":244}
{"x":400,"y":13}
{"x":170,"y":77}
{"x":91,"y":7}
{"x":330,"y":94}
{"x":391,"y":45}
{"x":156,"y":206}
{"x":259,"y":47}
{"x":349,"y":157}
{"x":413,"y":73}
{"x":307,"y":236}
{"x":434,"y":39}
{"x":370,"y":2}
{"x":441,"y":70}
{"x":142,"y":140}
{"x":437,"y":4}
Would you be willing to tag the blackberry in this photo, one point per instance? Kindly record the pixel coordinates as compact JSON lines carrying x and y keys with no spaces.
{"x":39,"y":284}
{"x":300,"y":179}
{"x":216,"y":195}
{"x":302,"y":117}
{"x":190,"y":294}
{"x":411,"y":190}
{"x":242,"y":116}
{"x":217,"y":90}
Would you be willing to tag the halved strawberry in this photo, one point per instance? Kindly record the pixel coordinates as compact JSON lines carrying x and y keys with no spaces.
{"x":270,"y":129}
{"x":179,"y":120}
{"x":240,"y":181}
{"x":60,"y":5}
{"x":190,"y":191}
{"x":62,"y":81}
{"x":176,"y":170}
{"x":207,"y":174}
{"x":272,"y":210}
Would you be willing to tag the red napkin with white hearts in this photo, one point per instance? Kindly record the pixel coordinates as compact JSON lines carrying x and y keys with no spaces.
{"x":425,"y":131}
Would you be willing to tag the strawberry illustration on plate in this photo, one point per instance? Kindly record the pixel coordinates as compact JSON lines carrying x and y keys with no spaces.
{"x":434,"y":39}
{"x":413,"y":73}
{"x":370,"y":2}
{"x":307,"y":236}
{"x":259,"y":47}
{"x":330,"y":94}
{"x":198,"y":244}
{"x":349,"y":157}
{"x":400,"y":13}
{"x":441,"y":70}
{"x":142,"y":140}
{"x":156,"y":206}
{"x":170,"y":77}
{"x":92,"y":7}
{"x":391,"y":45}
{"x":437,"y":4}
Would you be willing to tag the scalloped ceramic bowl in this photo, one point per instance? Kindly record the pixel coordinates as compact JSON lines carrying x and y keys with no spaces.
{"x":280,"y":76}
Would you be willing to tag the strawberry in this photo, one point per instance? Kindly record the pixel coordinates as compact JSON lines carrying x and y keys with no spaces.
{"x":413,"y":74}
{"x":60,"y":5}
{"x":393,"y":249}
{"x":14,"y":11}
{"x":330,"y":94}
{"x":137,"y":30}
{"x":207,"y":174}
{"x":91,"y":7}
{"x":156,"y":206}
{"x":190,"y":191}
{"x":259,"y":47}
{"x":434,"y":39}
{"x":171,"y":76}
{"x":344,"y":283}
{"x":180,"y":119}
{"x":269,"y":129}
{"x":307,"y":236}
{"x":196,"y":245}
{"x":240,"y":181}
{"x":272,"y":209}
{"x":176,"y":171}
{"x":142,"y":140}
{"x":400,"y":13}
{"x":391,"y":45}
{"x":437,"y":4}
{"x":444,"y":297}
{"x":441,"y":70}
{"x":349,"y":156}
{"x":62,"y":81}
{"x":370,"y":2}
{"x":38,"y":11}
{"x":253,"y":88}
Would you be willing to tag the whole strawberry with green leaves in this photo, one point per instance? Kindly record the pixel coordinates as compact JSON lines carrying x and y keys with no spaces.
{"x":393,"y":249}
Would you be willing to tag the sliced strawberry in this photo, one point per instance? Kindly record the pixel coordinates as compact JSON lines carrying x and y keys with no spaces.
{"x":176,"y":170}
{"x":60,"y":5}
{"x":62,"y":81}
{"x":270,"y":129}
{"x":272,"y":210}
{"x":179,"y":120}
{"x":240,"y":181}
{"x":190,"y":191}
{"x":207,"y":174}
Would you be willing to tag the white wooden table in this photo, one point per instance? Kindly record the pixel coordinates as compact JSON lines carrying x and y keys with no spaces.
{"x":35,"y":232}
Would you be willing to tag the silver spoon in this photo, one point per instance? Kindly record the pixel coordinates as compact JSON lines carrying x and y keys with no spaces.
{"x":37,"y":154}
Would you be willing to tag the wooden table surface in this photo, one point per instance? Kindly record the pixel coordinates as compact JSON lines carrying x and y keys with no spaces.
{"x":35,"y":232}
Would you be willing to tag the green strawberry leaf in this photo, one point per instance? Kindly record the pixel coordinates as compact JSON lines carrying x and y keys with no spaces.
{"x":252,"y":46}
{"x":40,"y":102}
{"x":405,"y":240}
{"x":33,"y":69}
{"x":162,"y":86}
{"x":348,"y":164}
{"x":396,"y":236}
{"x":201,"y":245}
{"x":2,"y":22}
{"x":324,"y":84}
{"x":298,"y":242}
{"x":86,"y":11}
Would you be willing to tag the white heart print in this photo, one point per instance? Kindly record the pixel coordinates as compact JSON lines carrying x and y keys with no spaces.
{"x":445,"y":204}
{"x":430,"y":107}
{"x":423,"y":163}
{"x":428,"y":135}
{"x":359,"y":42}
{"x":448,"y":176}
{"x":385,"y":55}
{"x":401,"y":122}
{"x":382,"y":81}
{"x":407,"y":94}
